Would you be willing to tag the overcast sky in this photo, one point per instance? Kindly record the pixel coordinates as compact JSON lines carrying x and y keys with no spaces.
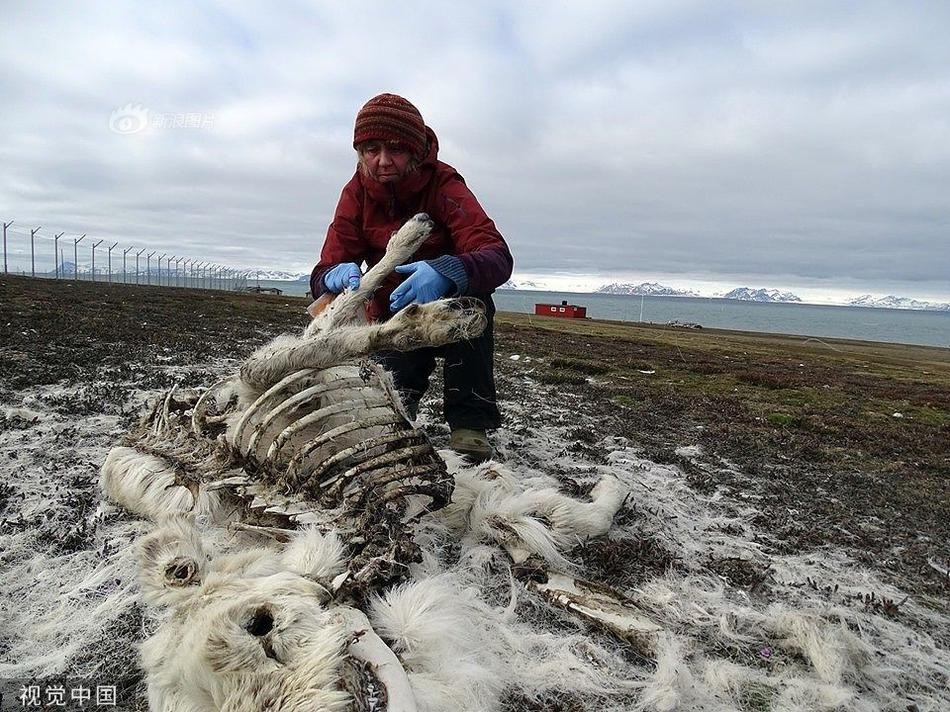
{"x":791,"y":145}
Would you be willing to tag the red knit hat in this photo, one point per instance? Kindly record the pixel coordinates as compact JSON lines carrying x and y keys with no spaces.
{"x":388,"y":117}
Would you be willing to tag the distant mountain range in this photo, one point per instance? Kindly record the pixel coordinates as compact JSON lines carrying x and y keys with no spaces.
{"x":647,"y":289}
{"x":526,"y":285}
{"x":275,"y":275}
{"x":747,"y":294}
{"x":654,"y":289}
{"x":892,"y":302}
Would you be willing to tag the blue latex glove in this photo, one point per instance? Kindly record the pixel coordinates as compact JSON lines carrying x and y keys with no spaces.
{"x":424,"y":285}
{"x":343,"y":276}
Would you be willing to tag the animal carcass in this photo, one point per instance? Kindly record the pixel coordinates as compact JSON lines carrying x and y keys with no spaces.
{"x":299,"y":510}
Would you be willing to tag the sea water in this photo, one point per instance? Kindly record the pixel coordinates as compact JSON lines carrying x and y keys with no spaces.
{"x":930,"y":328}
{"x":903,"y":326}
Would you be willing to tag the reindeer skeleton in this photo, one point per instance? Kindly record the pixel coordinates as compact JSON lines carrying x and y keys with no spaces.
{"x":310,"y":442}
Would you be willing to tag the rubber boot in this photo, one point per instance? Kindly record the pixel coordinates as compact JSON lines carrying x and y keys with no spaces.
{"x":473,"y":444}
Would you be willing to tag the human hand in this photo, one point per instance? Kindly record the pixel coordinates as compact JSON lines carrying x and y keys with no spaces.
{"x":424,"y":285}
{"x":343,"y":276}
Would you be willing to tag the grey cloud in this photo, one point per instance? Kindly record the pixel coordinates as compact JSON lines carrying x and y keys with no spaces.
{"x":806,"y":140}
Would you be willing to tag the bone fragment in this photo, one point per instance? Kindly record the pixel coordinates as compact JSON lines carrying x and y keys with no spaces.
{"x":377,"y":417}
{"x":406,"y":437}
{"x":379,"y":461}
{"x":368,"y":647}
{"x":277,"y":389}
{"x":199,"y":414}
{"x":305,"y":397}
{"x":275,"y":533}
{"x":369,"y":398}
{"x":602,"y":606}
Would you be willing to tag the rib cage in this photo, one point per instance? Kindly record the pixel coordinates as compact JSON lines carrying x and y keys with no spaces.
{"x":339,"y":441}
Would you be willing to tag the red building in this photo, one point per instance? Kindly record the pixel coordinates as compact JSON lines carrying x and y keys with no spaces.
{"x":563,"y":310}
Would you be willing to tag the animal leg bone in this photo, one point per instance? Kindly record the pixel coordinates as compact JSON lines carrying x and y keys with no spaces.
{"x":602,"y":606}
{"x":365,"y":645}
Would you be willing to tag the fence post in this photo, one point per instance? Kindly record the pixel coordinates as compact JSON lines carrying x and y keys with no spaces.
{"x":56,"y":252}
{"x":94,"y":246}
{"x":137,"y":263}
{"x":32,"y":261}
{"x":76,"y":257}
{"x":5,"y":226}
{"x":125,"y":274}
{"x":148,"y":267}
{"x":110,"y":262}
{"x":160,"y":258}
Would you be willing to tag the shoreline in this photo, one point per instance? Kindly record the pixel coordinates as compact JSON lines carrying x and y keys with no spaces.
{"x":793,"y":339}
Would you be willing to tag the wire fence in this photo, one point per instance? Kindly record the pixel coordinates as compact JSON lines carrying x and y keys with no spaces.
{"x":33,"y":252}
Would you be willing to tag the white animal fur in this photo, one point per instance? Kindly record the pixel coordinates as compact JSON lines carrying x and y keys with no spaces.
{"x":458,"y":652}
{"x":247,"y":630}
{"x":147,"y":485}
{"x":490,"y":504}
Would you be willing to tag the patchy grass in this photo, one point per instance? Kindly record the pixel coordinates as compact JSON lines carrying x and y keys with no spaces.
{"x":561,"y":377}
{"x":808,"y":424}
{"x":54,"y":330}
{"x":580,"y":366}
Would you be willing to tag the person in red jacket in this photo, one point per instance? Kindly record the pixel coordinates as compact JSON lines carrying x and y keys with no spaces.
{"x":398,"y":175}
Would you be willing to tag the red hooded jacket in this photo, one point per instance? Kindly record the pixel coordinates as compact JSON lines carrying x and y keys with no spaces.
{"x":465,"y":245}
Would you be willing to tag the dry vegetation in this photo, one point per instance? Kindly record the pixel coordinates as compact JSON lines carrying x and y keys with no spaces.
{"x":838,"y":442}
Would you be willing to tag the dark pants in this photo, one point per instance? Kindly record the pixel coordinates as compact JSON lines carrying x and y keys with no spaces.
{"x":468,"y":371}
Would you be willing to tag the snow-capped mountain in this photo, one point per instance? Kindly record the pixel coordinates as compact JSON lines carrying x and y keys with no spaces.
{"x":275,"y":275}
{"x":747,"y":294}
{"x":649,"y":289}
{"x":523,"y":284}
{"x":67,"y":268}
{"x":892,"y":302}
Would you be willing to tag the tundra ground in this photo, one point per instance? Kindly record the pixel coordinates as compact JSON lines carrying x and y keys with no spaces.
{"x":837,"y":446}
